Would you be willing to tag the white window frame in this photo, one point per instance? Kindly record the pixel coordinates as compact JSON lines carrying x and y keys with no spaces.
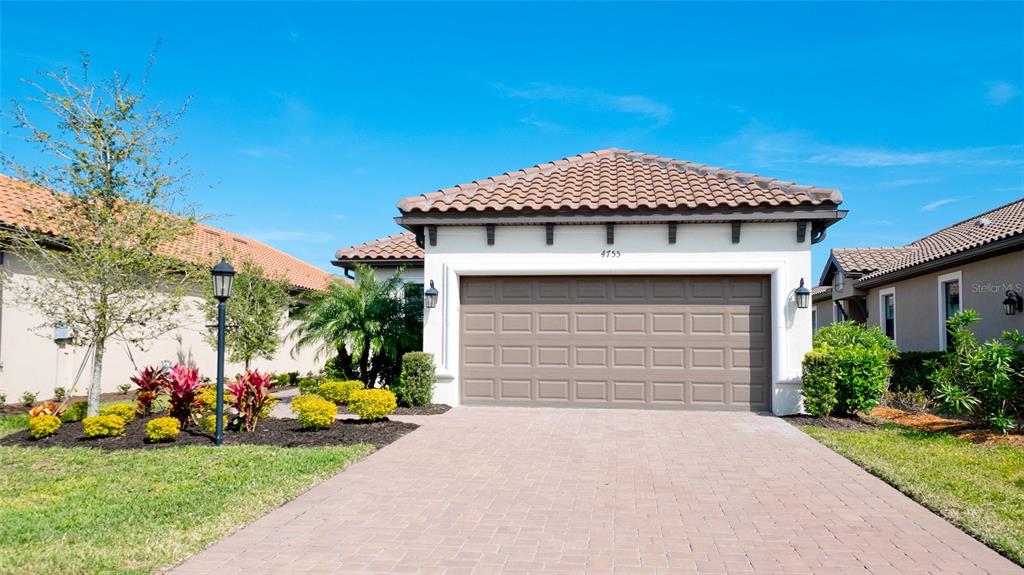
{"x":881,"y":309}
{"x":941,"y":282}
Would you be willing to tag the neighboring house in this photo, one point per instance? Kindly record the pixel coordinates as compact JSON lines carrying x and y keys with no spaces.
{"x":822,"y":308}
{"x":616,"y":279}
{"x":37,"y":359}
{"x":386,"y":255}
{"x":910,"y":291}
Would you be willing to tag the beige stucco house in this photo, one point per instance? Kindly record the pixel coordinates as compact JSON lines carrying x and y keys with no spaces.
{"x":910,"y":291}
{"x":37,"y":358}
{"x":614,"y":279}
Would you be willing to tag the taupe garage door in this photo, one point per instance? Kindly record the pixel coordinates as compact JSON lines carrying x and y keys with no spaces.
{"x":674,"y":342}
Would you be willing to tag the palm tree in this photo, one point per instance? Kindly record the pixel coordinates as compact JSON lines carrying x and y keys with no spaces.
{"x":365,"y":324}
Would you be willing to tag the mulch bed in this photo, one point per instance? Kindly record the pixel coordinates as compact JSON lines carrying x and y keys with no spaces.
{"x":851,"y":423}
{"x":280,"y":432}
{"x":430,"y":409}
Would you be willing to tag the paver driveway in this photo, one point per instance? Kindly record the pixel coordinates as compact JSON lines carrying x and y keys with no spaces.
{"x":504,"y":490}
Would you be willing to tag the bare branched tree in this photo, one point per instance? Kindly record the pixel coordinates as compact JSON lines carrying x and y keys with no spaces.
{"x":101,"y":245}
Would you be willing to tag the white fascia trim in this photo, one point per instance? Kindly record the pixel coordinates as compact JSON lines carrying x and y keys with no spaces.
{"x":939,"y":282}
{"x":783,"y":302}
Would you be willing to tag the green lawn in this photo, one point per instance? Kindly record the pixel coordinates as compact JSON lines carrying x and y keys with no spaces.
{"x":980,"y":489}
{"x":85,"y":510}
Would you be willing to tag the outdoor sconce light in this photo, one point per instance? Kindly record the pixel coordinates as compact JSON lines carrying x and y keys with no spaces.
{"x":223,"y":276}
{"x":802,"y":295}
{"x":430,"y":295}
{"x":1013,"y":303}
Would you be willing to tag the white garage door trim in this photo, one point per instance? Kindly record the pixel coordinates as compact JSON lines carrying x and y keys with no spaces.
{"x":785,"y":376}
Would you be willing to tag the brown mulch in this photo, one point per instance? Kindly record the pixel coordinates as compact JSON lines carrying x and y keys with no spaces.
{"x":429,"y":409}
{"x":962,"y":428}
{"x":281,"y":432}
{"x":17,"y":409}
{"x":851,"y":423}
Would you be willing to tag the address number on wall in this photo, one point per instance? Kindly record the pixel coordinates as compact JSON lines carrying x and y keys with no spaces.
{"x":611,"y":254}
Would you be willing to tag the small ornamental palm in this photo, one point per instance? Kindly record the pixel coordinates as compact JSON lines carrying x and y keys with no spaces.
{"x":251,"y":394}
{"x":150,"y":381}
{"x":183,"y":383}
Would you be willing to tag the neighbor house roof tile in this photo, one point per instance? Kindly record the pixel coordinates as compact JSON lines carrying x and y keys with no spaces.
{"x":616,"y":179}
{"x":203,"y":246}
{"x":397,"y":247}
{"x":1004,"y":222}
{"x":867,"y":260}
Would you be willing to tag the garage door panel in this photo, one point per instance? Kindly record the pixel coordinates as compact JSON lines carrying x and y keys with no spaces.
{"x":669,"y":342}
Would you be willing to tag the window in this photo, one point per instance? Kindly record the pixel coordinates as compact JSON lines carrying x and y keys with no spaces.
{"x":814,"y":318}
{"x":950,"y":303}
{"x":887,"y":312}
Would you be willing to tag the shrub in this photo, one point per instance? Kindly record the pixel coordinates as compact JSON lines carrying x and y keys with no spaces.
{"x":59,"y":394}
{"x":206,"y":399}
{"x":314,"y":412}
{"x":125,"y":411}
{"x":28,"y":398}
{"x":415,"y":386}
{"x":209,"y":423}
{"x":910,"y":371}
{"x":75,"y":412}
{"x":250,"y":397}
{"x":45,"y":408}
{"x":819,"y":378}
{"x":102,"y":426}
{"x":371,"y":404}
{"x":183,"y":383}
{"x":860,"y":356}
{"x":151,"y":382}
{"x":44,"y":425}
{"x":339,"y":391}
{"x":124,"y":388}
{"x":309,"y":385}
{"x":3,"y":398}
{"x":162,"y":429}
{"x":981,"y":380}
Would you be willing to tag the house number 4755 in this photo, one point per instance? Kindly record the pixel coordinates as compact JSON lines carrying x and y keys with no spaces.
{"x":611,"y":254}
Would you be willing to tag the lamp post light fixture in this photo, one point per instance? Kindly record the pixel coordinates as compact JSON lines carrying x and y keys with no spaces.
{"x":1013,"y":303}
{"x":430,"y":295}
{"x":223,"y":276}
{"x":802,"y":295}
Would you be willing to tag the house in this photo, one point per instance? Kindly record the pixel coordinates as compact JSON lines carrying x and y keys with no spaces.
{"x":38,"y":359}
{"x":911,"y":291}
{"x":615,"y":279}
{"x":386,"y":256}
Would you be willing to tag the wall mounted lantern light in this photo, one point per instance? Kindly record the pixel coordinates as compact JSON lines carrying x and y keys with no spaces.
{"x":1013,"y":303}
{"x":802,"y":295}
{"x":430,"y":295}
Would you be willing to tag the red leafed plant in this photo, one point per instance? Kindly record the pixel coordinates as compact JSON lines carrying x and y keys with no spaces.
{"x":250,"y":394}
{"x":182,"y":385}
{"x":151,"y":382}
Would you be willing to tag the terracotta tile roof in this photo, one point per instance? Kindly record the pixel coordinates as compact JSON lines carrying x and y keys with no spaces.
{"x":204,"y":246}
{"x":867,"y":260}
{"x":820,"y":290}
{"x":1004,"y":222}
{"x":397,"y":247}
{"x":616,"y":179}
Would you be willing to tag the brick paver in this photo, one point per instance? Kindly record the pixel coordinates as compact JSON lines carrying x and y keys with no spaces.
{"x":504,"y":490}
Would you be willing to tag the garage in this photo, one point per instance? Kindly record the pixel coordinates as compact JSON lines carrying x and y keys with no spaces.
{"x":642,"y":342}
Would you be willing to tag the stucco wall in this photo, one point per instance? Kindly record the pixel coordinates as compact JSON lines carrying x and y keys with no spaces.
{"x":983,"y":286}
{"x":824,"y":312}
{"x":31,"y":361}
{"x":700,"y":249}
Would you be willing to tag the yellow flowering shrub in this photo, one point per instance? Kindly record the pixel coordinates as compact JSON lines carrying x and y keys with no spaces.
{"x":43,"y":425}
{"x":162,"y":429}
{"x":372,"y":403}
{"x":125,"y":411}
{"x":339,"y":391}
{"x":314,"y":412}
{"x":103,"y":426}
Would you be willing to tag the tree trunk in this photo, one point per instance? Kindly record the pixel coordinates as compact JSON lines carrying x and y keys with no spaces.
{"x":95,"y":385}
{"x":247,"y":360}
{"x":364,"y":362}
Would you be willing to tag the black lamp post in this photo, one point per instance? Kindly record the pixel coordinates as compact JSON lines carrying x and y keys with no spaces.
{"x":802,"y":295}
{"x":223,"y":276}
{"x":1013,"y":303}
{"x":430,"y":295}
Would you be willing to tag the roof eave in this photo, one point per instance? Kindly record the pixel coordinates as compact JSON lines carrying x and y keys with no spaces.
{"x":966,"y":256}
{"x":348,"y":263}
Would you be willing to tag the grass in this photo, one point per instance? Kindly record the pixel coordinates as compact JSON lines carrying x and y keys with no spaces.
{"x":85,"y":510}
{"x":979,"y":489}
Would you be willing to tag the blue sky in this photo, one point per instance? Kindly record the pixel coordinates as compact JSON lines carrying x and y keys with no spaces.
{"x":309,"y":121}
